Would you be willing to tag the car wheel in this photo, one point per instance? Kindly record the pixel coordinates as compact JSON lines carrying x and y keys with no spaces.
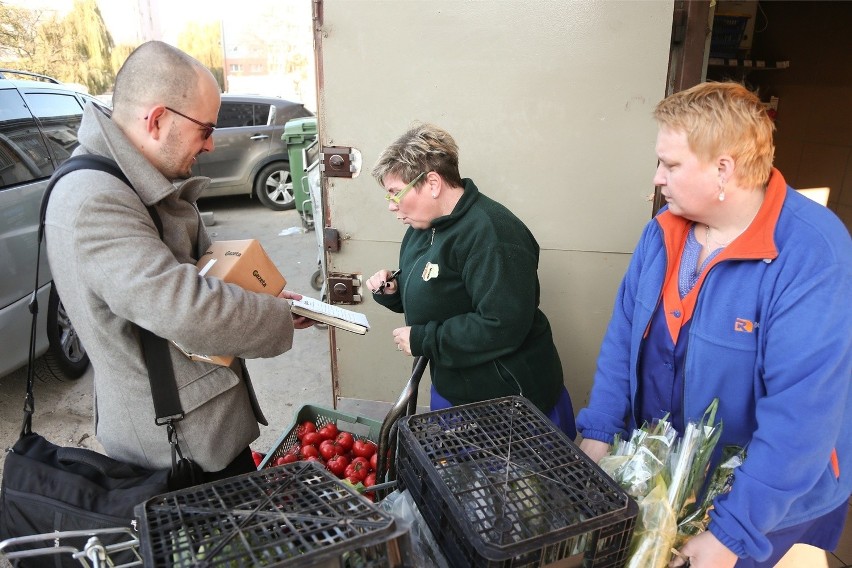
{"x":274,"y":187}
{"x":66,"y":357}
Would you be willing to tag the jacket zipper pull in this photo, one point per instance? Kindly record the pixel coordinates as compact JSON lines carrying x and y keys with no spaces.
{"x":432,"y":240}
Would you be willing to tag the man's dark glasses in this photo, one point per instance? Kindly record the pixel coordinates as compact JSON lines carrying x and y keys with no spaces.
{"x":208,"y":128}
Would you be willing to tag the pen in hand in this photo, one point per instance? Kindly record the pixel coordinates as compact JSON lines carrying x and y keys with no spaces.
{"x":386,"y":283}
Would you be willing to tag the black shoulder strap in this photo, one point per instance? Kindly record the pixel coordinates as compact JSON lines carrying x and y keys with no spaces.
{"x":155,"y":349}
{"x":74,"y":163}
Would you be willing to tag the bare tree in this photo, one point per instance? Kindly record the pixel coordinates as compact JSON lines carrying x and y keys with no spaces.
{"x":75,"y":49}
{"x":25,"y":37}
{"x":91,"y":45}
{"x":204,"y":42}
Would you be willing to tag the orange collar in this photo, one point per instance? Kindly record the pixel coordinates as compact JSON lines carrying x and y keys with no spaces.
{"x":758,"y":239}
{"x":756,"y":242}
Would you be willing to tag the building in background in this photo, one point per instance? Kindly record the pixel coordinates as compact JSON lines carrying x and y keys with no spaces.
{"x":276,"y":58}
{"x":267,"y":45}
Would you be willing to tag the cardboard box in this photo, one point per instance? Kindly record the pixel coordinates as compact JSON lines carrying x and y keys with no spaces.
{"x":244,"y":263}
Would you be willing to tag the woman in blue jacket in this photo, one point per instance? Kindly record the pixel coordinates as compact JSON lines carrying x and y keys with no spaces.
{"x":738,"y":289}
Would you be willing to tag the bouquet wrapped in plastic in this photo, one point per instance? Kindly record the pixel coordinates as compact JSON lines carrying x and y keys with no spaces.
{"x":696,"y":517}
{"x":664,"y":474}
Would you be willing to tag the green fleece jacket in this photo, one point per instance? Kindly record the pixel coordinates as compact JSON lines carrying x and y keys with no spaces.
{"x":469,"y":289}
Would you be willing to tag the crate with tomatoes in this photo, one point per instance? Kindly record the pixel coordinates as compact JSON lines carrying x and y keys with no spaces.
{"x":344,"y":444}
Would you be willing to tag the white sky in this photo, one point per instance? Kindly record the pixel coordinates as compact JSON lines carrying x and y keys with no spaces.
{"x":121,"y":16}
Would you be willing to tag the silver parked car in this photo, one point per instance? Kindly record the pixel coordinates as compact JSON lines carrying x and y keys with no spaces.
{"x":250,"y":157}
{"x":38,"y":131}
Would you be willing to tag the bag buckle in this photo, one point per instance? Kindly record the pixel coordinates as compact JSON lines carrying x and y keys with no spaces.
{"x":166,"y":420}
{"x":173,"y":440}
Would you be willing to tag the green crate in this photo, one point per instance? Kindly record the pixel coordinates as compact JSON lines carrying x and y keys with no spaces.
{"x":361,"y":428}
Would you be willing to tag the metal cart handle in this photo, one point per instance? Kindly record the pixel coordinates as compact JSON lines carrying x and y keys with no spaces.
{"x":406,"y":405}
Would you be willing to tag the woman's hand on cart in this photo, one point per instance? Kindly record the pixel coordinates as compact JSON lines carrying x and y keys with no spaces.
{"x":594,"y":449}
{"x":401,"y":337}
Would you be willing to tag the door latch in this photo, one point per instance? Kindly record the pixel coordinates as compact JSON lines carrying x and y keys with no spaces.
{"x":338,"y":161}
{"x":344,"y":288}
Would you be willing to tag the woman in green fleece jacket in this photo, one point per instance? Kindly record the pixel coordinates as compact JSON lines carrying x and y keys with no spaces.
{"x":467,"y":284}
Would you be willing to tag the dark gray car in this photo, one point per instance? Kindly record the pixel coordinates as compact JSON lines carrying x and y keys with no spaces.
{"x":38,"y":131}
{"x":250,"y":157}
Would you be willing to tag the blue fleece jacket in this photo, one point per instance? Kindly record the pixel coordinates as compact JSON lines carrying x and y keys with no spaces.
{"x":771,"y":335}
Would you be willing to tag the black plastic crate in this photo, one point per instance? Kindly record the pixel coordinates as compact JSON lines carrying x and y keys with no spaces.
{"x":501,"y":486}
{"x":297,"y":514}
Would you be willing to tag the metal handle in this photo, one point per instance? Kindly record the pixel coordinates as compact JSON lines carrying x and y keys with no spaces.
{"x":406,"y":405}
{"x":259,"y":137}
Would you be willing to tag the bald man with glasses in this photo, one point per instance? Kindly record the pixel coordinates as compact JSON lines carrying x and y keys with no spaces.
{"x":117,"y":271}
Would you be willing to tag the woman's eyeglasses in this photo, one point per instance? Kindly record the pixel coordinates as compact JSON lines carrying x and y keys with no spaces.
{"x":397,"y":197}
{"x":208,"y":128}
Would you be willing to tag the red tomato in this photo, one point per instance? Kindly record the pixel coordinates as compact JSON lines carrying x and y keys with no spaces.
{"x":357,"y":470}
{"x":345,"y":440}
{"x":312,"y":439}
{"x":315,"y":459}
{"x":329,"y":432}
{"x":309,"y":451}
{"x":363,"y":448}
{"x":327,"y":449}
{"x":337,"y":465}
{"x":257,"y":457}
{"x":374,"y":462}
{"x":286,"y":458}
{"x":304,"y":428}
{"x":370,"y":480}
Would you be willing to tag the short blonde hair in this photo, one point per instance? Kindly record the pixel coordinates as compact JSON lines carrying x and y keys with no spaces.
{"x":422,"y":148}
{"x":723,"y":118}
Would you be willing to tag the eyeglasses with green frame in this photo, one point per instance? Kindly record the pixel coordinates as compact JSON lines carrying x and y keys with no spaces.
{"x":397,"y":197}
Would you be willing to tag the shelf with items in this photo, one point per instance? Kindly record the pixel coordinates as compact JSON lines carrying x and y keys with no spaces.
{"x":748,"y":64}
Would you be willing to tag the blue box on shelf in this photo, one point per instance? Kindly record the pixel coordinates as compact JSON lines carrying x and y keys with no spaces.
{"x":727,"y":35}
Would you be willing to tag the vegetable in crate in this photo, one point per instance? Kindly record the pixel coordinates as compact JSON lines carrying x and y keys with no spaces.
{"x":349,"y":457}
{"x":304,"y":428}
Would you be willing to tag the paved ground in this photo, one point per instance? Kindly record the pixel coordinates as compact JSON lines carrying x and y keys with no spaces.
{"x":284,"y":383}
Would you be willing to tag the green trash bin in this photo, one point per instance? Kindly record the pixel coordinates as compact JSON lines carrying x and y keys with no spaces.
{"x":299,"y":134}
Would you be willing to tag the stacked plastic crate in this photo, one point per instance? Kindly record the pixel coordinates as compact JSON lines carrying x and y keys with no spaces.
{"x":298,"y":514}
{"x":500,"y":486}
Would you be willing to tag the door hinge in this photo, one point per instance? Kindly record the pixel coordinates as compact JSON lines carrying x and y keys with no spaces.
{"x":330,"y":239}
